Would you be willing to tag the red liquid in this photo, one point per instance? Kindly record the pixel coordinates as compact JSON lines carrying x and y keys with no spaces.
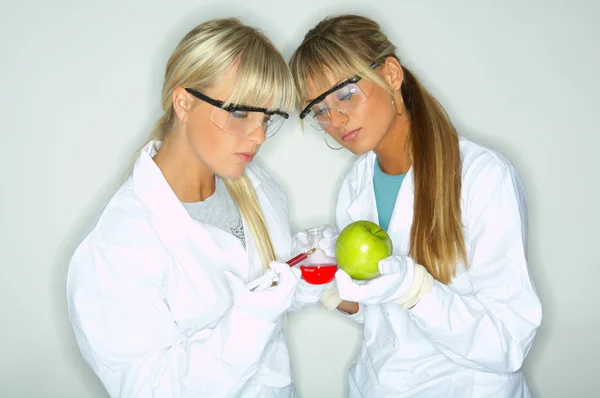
{"x":318,"y":274}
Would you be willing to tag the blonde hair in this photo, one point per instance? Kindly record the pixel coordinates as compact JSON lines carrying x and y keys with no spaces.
{"x":347,"y":45}
{"x":262,"y":78}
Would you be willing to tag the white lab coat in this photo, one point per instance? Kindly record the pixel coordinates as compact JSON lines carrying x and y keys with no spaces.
{"x":150,"y":304}
{"x":467,"y":339}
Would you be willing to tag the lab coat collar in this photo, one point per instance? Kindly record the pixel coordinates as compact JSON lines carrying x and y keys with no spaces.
{"x":152,"y":188}
{"x":364,"y":205}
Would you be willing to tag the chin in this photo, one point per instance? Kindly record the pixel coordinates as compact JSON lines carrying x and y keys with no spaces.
{"x":359,"y":148}
{"x":232,"y":172}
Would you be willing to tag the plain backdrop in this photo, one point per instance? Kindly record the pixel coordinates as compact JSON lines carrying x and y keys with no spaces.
{"x":80,"y":83}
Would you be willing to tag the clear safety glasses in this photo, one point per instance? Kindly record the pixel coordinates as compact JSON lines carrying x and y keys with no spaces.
{"x":242,"y":120}
{"x":344,"y":98}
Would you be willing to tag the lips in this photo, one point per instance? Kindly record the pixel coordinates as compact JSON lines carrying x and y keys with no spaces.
{"x":350,"y":135}
{"x":246,"y":156}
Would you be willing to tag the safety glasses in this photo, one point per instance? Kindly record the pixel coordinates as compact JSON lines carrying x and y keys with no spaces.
{"x":344,"y":98}
{"x":242,"y":120}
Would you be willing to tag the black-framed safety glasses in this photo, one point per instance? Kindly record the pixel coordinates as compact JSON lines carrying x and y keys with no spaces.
{"x":242,"y":120}
{"x":343,"y":98}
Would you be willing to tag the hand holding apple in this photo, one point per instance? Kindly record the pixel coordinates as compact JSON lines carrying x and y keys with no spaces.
{"x":397,"y":275}
{"x":359,"y":248}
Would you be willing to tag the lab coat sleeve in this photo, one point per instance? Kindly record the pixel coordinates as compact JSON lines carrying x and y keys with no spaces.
{"x":129,"y":337}
{"x":491,"y":329}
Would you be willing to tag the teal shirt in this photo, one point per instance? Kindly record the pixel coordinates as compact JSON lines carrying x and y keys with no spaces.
{"x":386,"y":190}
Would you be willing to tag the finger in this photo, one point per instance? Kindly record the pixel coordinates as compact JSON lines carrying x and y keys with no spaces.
{"x":380,"y":284}
{"x":286,"y":274}
{"x":327,"y":243}
{"x":330,"y":252}
{"x":279,"y":266}
{"x":365,"y":292}
{"x":329,"y":231}
{"x":389,"y":265}
{"x":266,"y":281}
{"x":342,"y":275}
{"x":291,"y":273}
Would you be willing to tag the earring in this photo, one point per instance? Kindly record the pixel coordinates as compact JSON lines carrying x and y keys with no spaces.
{"x":394,"y":106}
{"x":330,"y":147}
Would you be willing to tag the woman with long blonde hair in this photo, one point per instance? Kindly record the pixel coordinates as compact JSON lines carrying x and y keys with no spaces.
{"x":157,"y":291}
{"x":453,"y":312}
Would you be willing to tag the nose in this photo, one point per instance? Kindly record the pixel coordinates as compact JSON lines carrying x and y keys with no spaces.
{"x":258,"y":136}
{"x":337,"y":117}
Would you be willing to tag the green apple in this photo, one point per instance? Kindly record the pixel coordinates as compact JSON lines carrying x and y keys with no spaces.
{"x":359,"y":248}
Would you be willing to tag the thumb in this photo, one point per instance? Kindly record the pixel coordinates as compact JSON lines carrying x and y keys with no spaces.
{"x":285,"y":273}
{"x":390,"y":265}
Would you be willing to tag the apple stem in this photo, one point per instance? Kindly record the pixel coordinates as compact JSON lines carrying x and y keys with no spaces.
{"x":378,"y":231}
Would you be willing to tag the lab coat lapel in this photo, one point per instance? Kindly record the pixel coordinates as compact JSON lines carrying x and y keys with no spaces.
{"x":151,"y":187}
{"x":364,"y":207}
{"x":402,"y":216}
{"x":176,"y":227}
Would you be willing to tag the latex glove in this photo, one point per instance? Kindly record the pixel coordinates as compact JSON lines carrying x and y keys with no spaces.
{"x":397,"y":273}
{"x":330,"y":298}
{"x":422,"y":284}
{"x":269,"y":303}
{"x":307,"y":293}
{"x":265,"y":281}
{"x":327,"y":244}
{"x":326,"y":293}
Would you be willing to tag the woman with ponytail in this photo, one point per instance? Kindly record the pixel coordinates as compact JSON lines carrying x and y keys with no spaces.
{"x":157,"y":291}
{"x":454,"y":311}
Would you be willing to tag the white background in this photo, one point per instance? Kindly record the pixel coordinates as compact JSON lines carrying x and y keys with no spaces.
{"x":80,"y":83}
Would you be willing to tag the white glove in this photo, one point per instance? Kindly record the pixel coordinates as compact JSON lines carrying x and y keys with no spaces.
{"x":327,"y":244}
{"x":307,"y":293}
{"x":330,"y":298}
{"x":397,"y":273}
{"x":422,"y":284}
{"x":326,"y":293}
{"x":270,"y":303}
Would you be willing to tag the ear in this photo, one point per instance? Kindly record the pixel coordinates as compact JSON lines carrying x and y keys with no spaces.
{"x":182,"y":103}
{"x":392,"y":73}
